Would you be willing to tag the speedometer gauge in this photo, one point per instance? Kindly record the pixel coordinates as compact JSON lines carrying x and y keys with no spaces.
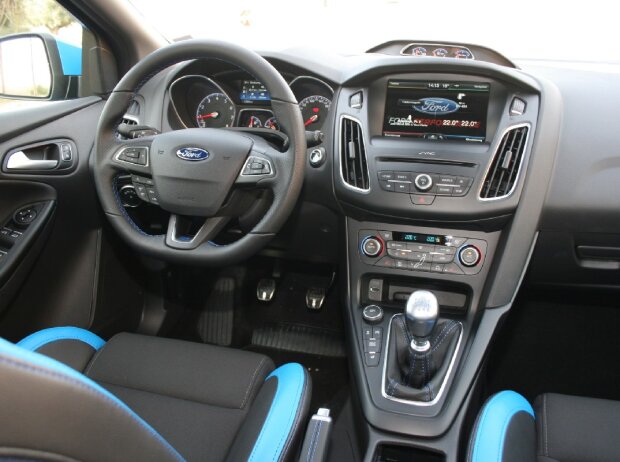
{"x":215,"y":111}
{"x":314,"y":110}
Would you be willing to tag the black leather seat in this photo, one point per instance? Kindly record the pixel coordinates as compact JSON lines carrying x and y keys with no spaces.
{"x":64,"y":392}
{"x":559,"y":428}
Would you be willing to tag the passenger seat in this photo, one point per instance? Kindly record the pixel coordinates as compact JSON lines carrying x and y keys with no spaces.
{"x":559,"y":428}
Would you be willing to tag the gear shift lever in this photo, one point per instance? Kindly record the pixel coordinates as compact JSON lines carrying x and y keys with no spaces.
{"x":421,"y":315}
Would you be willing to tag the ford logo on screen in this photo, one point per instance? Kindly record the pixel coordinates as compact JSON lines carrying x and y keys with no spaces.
{"x":436,"y":106}
{"x":194,"y":154}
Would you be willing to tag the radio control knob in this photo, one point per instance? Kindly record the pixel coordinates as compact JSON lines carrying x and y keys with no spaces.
{"x":469,"y":256}
{"x":423,"y":182}
{"x":372,"y":246}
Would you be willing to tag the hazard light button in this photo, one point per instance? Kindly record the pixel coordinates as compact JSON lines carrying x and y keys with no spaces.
{"x":422,"y":199}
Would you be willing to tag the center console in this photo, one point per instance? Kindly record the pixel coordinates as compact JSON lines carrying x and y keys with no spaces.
{"x":441,"y":172}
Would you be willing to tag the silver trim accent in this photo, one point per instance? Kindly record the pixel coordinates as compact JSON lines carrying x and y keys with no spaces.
{"x":131,"y":117}
{"x":340,"y":154}
{"x":430,"y":182}
{"x":486,"y":170}
{"x":123,"y":149}
{"x":309,"y":77}
{"x":20,"y":161}
{"x":421,"y":347}
{"x":377,"y":317}
{"x":402,"y":51}
{"x":125,"y":204}
{"x":379,"y":246}
{"x":198,"y":76}
{"x":251,"y":159}
{"x":445,"y":380}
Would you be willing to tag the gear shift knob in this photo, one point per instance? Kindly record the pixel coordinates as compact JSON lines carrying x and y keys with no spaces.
{"x":421,"y":315}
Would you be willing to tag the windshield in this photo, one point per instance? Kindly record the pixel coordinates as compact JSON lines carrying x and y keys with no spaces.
{"x":526,"y":29}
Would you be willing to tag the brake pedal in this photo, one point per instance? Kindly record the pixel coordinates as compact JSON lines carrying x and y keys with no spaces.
{"x":315,"y":298}
{"x":266,"y":289}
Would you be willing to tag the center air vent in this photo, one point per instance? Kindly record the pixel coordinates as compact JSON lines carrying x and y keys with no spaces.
{"x":353,"y":165}
{"x":501,"y":177}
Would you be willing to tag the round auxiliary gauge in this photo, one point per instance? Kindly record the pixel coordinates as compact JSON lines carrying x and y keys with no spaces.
{"x":419,"y":51}
{"x":254,"y":122}
{"x":462,"y":54}
{"x":314,"y":110}
{"x":272,"y":123}
{"x":215,"y":111}
{"x":440,"y":52}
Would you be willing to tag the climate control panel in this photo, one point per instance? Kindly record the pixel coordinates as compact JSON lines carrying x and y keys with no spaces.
{"x":411,"y":251}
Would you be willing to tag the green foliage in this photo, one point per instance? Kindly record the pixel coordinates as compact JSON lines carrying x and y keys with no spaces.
{"x":28,"y":15}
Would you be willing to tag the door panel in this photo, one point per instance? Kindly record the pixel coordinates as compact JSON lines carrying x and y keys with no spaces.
{"x":53,"y":279}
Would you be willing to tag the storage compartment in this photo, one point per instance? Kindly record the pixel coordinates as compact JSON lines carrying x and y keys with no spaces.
{"x":396,"y":453}
{"x":393,"y":292}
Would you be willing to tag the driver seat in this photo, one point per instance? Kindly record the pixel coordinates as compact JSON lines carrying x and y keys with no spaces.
{"x":66,"y":394}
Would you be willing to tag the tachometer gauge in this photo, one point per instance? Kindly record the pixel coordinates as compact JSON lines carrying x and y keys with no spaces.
{"x":272,"y":123}
{"x":419,"y":51}
{"x":215,"y":111}
{"x":314,"y":110}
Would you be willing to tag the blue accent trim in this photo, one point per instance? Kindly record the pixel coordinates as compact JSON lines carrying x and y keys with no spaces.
{"x":281,"y":417}
{"x":38,"y":364}
{"x":35,"y":341}
{"x":494,"y":421}
{"x":70,"y":58}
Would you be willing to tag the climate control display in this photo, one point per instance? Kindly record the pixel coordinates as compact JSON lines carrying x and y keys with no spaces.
{"x":412,"y":251}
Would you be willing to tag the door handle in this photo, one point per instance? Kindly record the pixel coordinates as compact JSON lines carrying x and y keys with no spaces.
{"x":20,"y":161}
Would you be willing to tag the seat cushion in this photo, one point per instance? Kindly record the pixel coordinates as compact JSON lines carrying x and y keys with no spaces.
{"x":206,"y":402}
{"x":576,"y":429}
{"x":196,"y":396}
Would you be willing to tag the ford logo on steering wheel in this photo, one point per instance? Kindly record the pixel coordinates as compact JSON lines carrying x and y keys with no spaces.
{"x":193,"y":154}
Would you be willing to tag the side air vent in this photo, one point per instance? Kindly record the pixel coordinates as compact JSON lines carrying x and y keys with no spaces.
{"x":132,"y":116}
{"x":501,"y":177}
{"x":353,"y":165}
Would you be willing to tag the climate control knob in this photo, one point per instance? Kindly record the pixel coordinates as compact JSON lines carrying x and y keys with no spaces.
{"x":372,"y":246}
{"x":469,"y":256}
{"x":423,"y":182}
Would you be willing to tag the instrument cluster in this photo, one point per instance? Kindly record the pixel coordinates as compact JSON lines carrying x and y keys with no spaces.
{"x":238,"y":100}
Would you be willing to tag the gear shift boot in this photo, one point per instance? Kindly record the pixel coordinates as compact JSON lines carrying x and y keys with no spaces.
{"x":418,"y":376}
{"x":420,"y":350}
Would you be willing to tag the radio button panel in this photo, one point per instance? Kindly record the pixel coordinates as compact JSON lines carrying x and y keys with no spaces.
{"x":421,"y":183}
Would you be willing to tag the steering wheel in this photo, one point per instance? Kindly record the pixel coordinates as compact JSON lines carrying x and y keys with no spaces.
{"x":195,"y":171}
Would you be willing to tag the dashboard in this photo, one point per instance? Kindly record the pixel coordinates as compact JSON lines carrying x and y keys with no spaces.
{"x":450,"y":171}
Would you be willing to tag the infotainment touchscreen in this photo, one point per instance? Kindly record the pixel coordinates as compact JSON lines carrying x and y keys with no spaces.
{"x":436,"y":110}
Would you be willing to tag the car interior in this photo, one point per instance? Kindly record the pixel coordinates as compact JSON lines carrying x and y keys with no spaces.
{"x":210,"y":252}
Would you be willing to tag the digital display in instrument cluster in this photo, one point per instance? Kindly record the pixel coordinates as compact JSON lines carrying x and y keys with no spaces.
{"x":436,"y":110}
{"x":252,"y":90}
